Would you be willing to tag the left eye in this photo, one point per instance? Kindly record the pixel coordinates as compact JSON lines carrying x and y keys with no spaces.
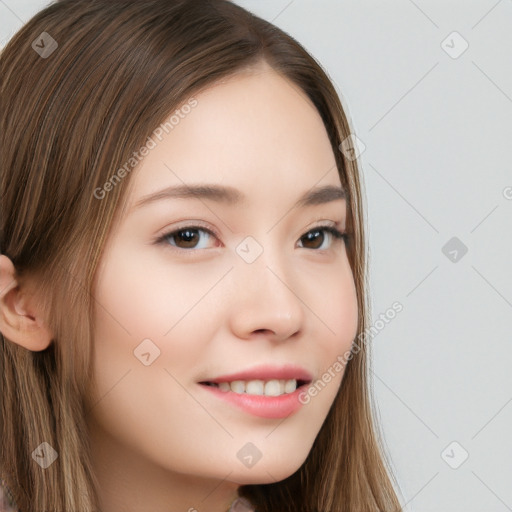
{"x":319,"y":235}
{"x":189,"y":237}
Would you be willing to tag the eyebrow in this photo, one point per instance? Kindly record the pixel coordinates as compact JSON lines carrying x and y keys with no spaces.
{"x":232,"y":196}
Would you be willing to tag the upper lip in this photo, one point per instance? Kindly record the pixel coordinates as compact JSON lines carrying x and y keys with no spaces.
{"x":266,"y":372}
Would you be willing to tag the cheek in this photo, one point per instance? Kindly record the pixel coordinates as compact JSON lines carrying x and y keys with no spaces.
{"x":337,"y":310}
{"x":339,"y":315}
{"x":144,"y":295}
{"x":147,"y":306}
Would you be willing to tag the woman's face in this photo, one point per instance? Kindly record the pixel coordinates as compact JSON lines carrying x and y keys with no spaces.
{"x":245,"y":289}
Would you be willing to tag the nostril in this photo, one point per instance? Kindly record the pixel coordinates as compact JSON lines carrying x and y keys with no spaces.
{"x":263,"y":330}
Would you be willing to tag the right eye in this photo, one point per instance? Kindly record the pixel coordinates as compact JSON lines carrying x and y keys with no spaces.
{"x":188,"y":237}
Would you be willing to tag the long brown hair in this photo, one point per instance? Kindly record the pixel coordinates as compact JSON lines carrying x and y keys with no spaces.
{"x":69,"y":121}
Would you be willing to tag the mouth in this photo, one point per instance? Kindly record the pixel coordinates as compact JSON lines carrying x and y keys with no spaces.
{"x":271,"y":399}
{"x":267,"y":391}
{"x":259,"y":387}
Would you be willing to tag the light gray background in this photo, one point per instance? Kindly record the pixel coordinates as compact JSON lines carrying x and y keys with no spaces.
{"x":437,"y":165}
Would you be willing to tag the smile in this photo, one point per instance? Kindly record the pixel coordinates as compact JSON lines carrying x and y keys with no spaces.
{"x":264,"y":406}
{"x":273,"y":387}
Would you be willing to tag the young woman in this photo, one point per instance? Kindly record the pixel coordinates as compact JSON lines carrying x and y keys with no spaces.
{"x":183,"y":269}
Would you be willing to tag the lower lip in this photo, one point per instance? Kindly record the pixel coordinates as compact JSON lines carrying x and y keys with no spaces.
{"x":260,"y":405}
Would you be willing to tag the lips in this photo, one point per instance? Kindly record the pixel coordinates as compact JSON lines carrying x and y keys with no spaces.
{"x":281,"y":387}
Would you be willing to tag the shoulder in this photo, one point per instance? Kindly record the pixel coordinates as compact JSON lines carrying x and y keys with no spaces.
{"x":6,"y":500}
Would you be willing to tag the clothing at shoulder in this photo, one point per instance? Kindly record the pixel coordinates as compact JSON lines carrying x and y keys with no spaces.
{"x":6,"y":500}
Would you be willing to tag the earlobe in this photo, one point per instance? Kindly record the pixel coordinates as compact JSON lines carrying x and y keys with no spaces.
{"x":20,"y":322}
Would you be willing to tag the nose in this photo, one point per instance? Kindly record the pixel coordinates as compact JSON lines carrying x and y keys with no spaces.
{"x":265,"y":300}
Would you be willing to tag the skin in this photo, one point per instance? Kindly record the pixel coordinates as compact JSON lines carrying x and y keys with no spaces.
{"x":160,"y":441}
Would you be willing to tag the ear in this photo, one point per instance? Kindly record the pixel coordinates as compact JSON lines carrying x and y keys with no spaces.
{"x":20,"y":320}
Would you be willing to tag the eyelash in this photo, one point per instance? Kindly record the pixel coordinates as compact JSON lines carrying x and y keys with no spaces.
{"x":163,"y":239}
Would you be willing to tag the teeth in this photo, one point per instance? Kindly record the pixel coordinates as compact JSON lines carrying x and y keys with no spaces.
{"x":272,"y":387}
{"x":224,"y":386}
{"x":255,"y":387}
{"x":238,"y":386}
{"x":290,"y":386}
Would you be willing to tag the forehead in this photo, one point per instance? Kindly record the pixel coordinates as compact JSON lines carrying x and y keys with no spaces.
{"x":255,"y":131}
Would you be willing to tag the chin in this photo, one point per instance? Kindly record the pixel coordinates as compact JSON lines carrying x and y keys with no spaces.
{"x":267,"y":473}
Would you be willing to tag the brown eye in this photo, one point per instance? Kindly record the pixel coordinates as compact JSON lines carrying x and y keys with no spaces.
{"x":186,"y":238}
{"x":315,"y":238}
